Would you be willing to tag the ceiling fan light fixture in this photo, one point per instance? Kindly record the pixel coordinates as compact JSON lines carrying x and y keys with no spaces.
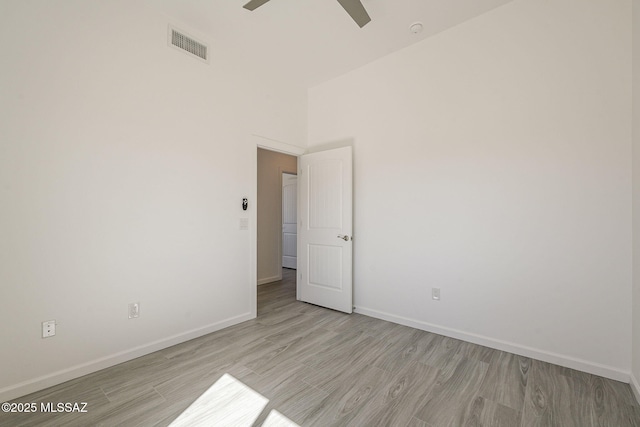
{"x":354,"y":8}
{"x":416,"y":27}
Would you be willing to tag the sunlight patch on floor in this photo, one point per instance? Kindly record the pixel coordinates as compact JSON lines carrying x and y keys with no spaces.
{"x":276,"y":419}
{"x":229,"y":402}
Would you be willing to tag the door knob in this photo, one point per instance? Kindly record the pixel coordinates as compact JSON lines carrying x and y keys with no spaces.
{"x":345,"y":238}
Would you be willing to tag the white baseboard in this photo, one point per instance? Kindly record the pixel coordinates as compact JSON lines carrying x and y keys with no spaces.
{"x":545,"y":356}
{"x":635,"y":387}
{"x":30,"y":386}
{"x":269,"y":280}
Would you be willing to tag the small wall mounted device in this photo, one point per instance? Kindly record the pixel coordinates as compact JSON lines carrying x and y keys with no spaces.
{"x":245,"y":204}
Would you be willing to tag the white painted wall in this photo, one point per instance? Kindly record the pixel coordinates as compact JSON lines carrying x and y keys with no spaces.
{"x":493,"y":161}
{"x":636,"y":200}
{"x":123,"y":164}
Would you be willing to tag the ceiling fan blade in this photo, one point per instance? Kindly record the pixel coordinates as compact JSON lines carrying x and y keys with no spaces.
{"x":254,"y":4}
{"x":356,"y":10}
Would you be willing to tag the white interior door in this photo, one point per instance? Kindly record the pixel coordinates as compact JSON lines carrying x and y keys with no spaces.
{"x":289,"y":220}
{"x":325,"y":229}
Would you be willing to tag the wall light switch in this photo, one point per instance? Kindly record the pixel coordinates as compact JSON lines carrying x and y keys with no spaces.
{"x":244,"y":223}
{"x":435,"y":294}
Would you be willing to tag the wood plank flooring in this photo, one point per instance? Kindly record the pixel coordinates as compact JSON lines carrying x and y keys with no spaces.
{"x":315,"y":367}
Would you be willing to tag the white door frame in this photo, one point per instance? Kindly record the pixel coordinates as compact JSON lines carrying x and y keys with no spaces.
{"x":271,"y":145}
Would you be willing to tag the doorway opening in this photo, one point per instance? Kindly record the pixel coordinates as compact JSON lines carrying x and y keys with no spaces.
{"x":276,"y":224}
{"x":325,"y":224}
{"x":289,"y":220}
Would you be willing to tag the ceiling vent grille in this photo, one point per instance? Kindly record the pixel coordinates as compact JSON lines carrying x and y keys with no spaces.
{"x":180,"y":40}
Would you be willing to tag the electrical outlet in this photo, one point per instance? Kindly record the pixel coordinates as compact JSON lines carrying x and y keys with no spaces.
{"x":435,"y":294}
{"x":48,"y":328}
{"x":134,"y":310}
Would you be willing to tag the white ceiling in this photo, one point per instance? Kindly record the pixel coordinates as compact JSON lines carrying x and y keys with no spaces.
{"x":311,"y":41}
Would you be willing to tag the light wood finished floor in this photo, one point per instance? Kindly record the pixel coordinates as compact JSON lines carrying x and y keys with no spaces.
{"x":318,"y":367}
